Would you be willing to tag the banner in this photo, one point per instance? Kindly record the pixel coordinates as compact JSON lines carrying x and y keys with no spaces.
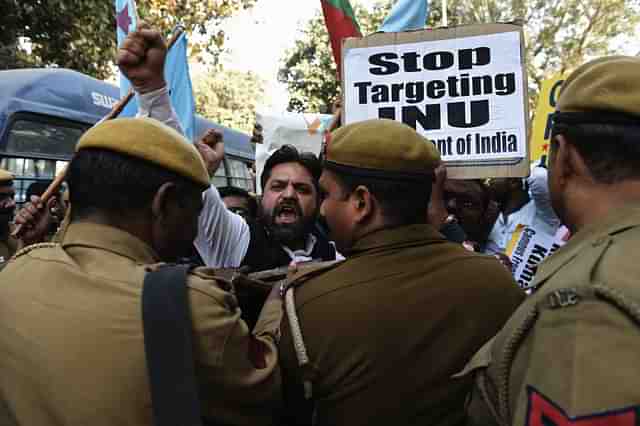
{"x":529,"y":247}
{"x":304,"y":131}
{"x":463,"y":88}
{"x":541,"y":135}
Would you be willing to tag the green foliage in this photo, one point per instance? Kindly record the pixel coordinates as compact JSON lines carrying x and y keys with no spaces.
{"x":69,"y":34}
{"x":309,"y":69}
{"x":81,"y":34}
{"x":201,"y":19}
{"x":559,"y":35}
{"x":229,"y":97}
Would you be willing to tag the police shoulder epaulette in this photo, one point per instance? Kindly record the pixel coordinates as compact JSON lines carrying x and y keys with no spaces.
{"x":33,"y":247}
{"x":311,"y":270}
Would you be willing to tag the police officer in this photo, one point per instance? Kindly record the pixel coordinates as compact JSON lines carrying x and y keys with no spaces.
{"x":8,"y":244}
{"x":71,"y":337}
{"x":373,"y":340}
{"x":569,"y":355}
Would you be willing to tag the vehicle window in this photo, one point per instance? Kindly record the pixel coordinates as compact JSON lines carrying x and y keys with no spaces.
{"x":240,"y":175}
{"x":35,"y":137}
{"x":220,"y":178}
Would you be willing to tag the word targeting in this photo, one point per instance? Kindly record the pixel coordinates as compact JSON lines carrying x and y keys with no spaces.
{"x":455,"y":86}
{"x":465,"y":94}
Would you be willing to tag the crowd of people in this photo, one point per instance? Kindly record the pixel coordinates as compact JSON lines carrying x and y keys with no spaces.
{"x":393,"y":300}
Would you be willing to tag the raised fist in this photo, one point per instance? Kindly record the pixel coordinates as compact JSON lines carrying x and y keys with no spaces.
{"x":141,"y":59}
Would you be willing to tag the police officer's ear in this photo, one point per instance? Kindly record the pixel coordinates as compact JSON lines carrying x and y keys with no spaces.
{"x":566,"y":162}
{"x":363,"y":204}
{"x":165,"y":201}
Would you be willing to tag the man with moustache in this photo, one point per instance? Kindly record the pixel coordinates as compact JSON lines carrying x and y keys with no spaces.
{"x":8,"y":244}
{"x":285,"y":230}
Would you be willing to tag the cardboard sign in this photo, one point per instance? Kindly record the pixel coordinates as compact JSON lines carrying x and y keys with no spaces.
{"x":541,"y":135}
{"x":304,"y":131}
{"x":528,"y":248}
{"x":463,"y":88}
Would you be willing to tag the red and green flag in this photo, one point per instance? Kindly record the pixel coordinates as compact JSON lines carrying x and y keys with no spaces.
{"x":341,"y":23}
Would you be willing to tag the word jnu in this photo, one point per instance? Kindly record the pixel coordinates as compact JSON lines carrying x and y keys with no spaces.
{"x":462,"y":85}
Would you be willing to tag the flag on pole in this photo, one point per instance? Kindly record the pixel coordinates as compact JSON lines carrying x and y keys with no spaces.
{"x":406,"y":15}
{"x":341,"y":23}
{"x":126,"y":22}
{"x":176,"y":71}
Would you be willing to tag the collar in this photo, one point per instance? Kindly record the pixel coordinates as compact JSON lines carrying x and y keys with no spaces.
{"x":594,"y":234}
{"x":108,"y":238}
{"x":306,"y":252}
{"x":400,"y":236}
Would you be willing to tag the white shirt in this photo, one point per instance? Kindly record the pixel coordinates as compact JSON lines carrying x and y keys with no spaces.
{"x":537,"y":214}
{"x":223,"y":237}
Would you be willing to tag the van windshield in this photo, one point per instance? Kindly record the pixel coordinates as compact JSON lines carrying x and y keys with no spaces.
{"x":42,"y":138}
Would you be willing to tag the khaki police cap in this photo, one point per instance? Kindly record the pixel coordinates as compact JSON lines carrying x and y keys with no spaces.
{"x":5,"y":177}
{"x":605,"y":90}
{"x":148,"y":140}
{"x":381,"y":148}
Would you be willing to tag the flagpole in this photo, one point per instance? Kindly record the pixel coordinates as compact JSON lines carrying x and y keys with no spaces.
{"x":54,"y":187}
{"x":445,"y":22}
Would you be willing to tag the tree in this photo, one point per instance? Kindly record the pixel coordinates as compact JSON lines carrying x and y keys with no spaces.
{"x":229,"y":97}
{"x":69,"y":34}
{"x":80,"y":34}
{"x":309,"y":70}
{"x":201,"y":19}
{"x":559,"y":35}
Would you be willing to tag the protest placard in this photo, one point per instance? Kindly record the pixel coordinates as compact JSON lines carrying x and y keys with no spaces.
{"x":529,"y":247}
{"x":464,"y":88}
{"x":542,"y":123}
{"x":304,"y":131}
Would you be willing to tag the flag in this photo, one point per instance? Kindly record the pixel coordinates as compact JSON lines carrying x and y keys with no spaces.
{"x":176,"y":71}
{"x":406,"y":15}
{"x":126,"y":22}
{"x":341,"y":23}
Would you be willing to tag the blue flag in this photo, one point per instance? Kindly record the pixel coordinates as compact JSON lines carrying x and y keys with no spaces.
{"x":126,"y":21}
{"x":176,"y":72}
{"x":406,"y":15}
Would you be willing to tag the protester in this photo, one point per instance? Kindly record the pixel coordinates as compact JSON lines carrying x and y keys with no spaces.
{"x":570,"y":353}
{"x":285,"y":229}
{"x":239,"y":201}
{"x":373,"y":340}
{"x":460,"y":208}
{"x":8,"y":244}
{"x":71,"y":336}
{"x":521,"y":202}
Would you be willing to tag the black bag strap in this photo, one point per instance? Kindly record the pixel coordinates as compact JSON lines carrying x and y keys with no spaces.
{"x":168,"y":347}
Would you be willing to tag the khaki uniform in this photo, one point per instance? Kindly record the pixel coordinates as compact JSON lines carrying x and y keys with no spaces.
{"x":71,"y":337}
{"x":8,"y":247}
{"x":386,"y":329}
{"x":570,"y":352}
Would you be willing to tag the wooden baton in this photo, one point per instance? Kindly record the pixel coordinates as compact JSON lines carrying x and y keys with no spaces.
{"x":54,"y":187}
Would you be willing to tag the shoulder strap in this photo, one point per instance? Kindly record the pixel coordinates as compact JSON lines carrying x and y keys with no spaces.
{"x":168,"y":347}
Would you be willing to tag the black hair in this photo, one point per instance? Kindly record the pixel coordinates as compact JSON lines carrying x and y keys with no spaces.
{"x":37,"y":188}
{"x":289,"y":154}
{"x":102,"y":180}
{"x":403,"y":202}
{"x":610,"y":151}
{"x":485,"y":194}
{"x":234,"y":191}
